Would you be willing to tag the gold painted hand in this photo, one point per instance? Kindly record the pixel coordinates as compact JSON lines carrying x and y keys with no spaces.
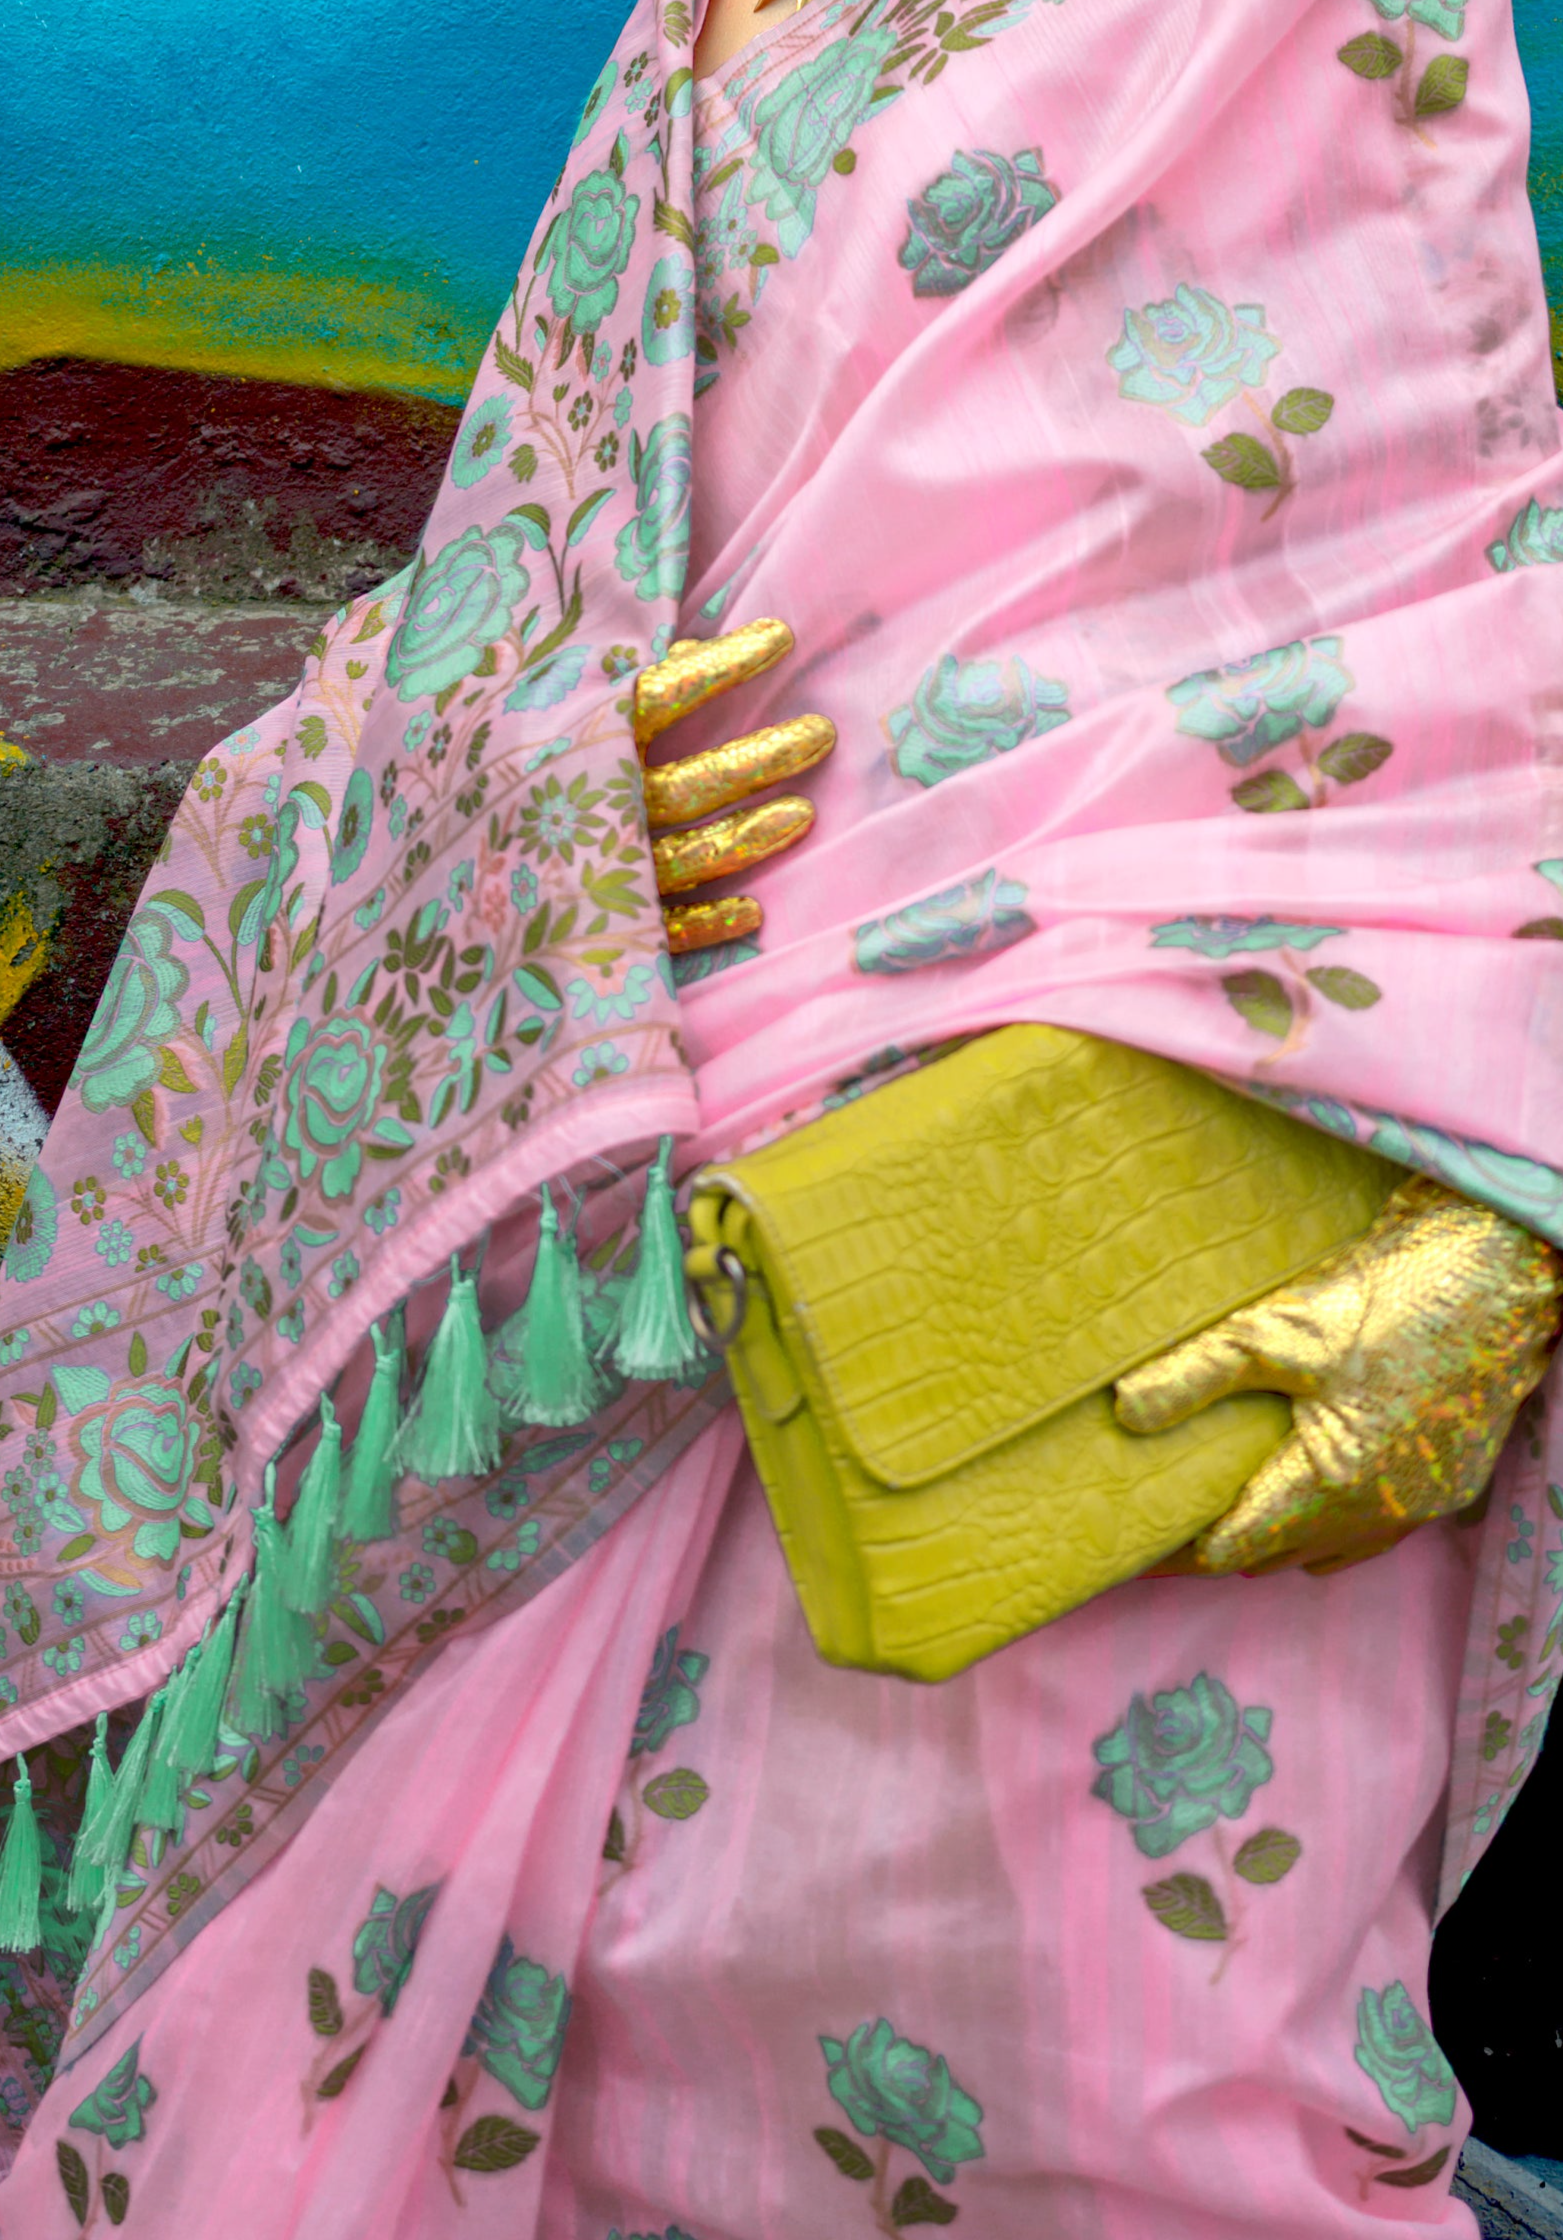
{"x":1407,"y":1355}
{"x":692,"y":672}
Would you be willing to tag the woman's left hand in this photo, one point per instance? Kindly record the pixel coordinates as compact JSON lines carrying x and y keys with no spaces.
{"x":1407,"y":1355}
{"x":694,"y":671}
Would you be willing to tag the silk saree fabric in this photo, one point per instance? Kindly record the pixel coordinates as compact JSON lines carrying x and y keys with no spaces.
{"x":1144,"y":422}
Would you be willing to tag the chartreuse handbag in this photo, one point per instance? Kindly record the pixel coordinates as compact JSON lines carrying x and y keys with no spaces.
{"x":925,"y":1299}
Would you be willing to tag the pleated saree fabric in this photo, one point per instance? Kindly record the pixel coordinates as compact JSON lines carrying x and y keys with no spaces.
{"x":1143,"y":417}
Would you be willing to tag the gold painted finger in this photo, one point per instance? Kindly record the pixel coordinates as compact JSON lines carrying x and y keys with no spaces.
{"x":728,"y":844}
{"x":695,"y":670}
{"x":681,"y":791}
{"x":701,"y":925}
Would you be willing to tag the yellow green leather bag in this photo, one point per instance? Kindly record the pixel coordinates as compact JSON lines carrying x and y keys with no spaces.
{"x":926,"y":1297}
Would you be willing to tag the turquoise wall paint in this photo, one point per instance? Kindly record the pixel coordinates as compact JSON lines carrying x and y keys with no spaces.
{"x":1539,"y":26}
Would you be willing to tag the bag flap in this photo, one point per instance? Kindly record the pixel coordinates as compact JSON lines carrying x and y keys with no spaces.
{"x":977,"y":1245}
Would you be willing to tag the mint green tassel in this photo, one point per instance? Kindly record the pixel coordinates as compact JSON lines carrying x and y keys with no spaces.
{"x":278,"y":1648}
{"x":191,"y":1743}
{"x":655,"y":1336}
{"x":158,"y":1805}
{"x":84,"y":1889}
{"x":119,"y":1822}
{"x":543,"y":1371}
{"x":309,"y":1578}
{"x":369,"y":1506}
{"x":454,"y":1428}
{"x":21,"y":1870}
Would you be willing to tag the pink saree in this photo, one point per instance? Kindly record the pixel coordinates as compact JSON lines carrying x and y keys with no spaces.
{"x":1144,"y":421}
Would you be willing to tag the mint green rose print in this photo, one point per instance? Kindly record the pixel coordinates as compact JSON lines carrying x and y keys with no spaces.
{"x":966,"y":712}
{"x":670,"y":1697}
{"x":964,"y":220}
{"x":387,"y":1943}
{"x":667,"y":321}
{"x":353,"y":827}
{"x":1446,"y":17}
{"x":1535,"y":539}
{"x":1192,"y":354}
{"x":116,"y":2110}
{"x":457,"y":607}
{"x":1398,"y":2051}
{"x":587,"y":248}
{"x":974,"y":919}
{"x":893,"y":2089}
{"x":803,"y":124}
{"x":1246,"y":708}
{"x":1181,"y":1761}
{"x":1223,"y":937}
{"x":481,"y":444}
{"x":1528,"y":1192}
{"x":33,"y":1233}
{"x":653,"y":549}
{"x":330,"y":1093}
{"x":137,"y":1449}
{"x":597,"y":100}
{"x":137,"y":1015}
{"x":518,"y":2030}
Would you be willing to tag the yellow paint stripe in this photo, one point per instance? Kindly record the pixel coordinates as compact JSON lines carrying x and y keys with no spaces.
{"x":335,"y":331}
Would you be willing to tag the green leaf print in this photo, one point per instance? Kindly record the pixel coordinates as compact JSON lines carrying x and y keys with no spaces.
{"x":1267,"y":1856}
{"x":334,"y":2082}
{"x":1350,"y":759}
{"x":493,"y":2143}
{"x":1337,"y":983}
{"x":1269,"y":792}
{"x":1261,"y":999}
{"x":116,"y":2195}
{"x":1246,"y":461}
{"x":1303,"y":412}
{"x":677,"y":1795}
{"x":1187,"y":1905}
{"x":1419,"y":2173}
{"x":325,"y":2005}
{"x":73,"y":2177}
{"x":1371,"y":55}
{"x":1443,"y":85}
{"x":848,"y":2157}
{"x":916,"y":2203}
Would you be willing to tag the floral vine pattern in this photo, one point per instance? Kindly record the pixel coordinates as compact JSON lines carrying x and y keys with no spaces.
{"x":670,"y":1700}
{"x":1176,"y":1765}
{"x":1279,"y":1009}
{"x":1193,"y":355}
{"x":904,"y":2096}
{"x":115,"y":2114}
{"x":1375,"y":56}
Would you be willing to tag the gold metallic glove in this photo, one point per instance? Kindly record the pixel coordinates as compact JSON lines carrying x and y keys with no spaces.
{"x":1407,"y":1354}
{"x":693,"y":672}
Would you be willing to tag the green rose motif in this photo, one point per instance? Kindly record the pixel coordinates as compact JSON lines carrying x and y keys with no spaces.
{"x":1399,"y":2052}
{"x":653,"y":549}
{"x":33,"y":1233}
{"x":974,"y":919}
{"x":803,"y":124}
{"x":353,"y":827}
{"x":457,"y":607}
{"x":667,"y":320}
{"x":1183,"y":1760}
{"x":1221,"y":937}
{"x":966,"y":712}
{"x":587,"y":247}
{"x":481,"y":444}
{"x":518,"y":2030}
{"x":964,"y":220}
{"x":137,"y":1014}
{"x":902,"y":2092}
{"x":387,"y":1943}
{"x":597,"y":100}
{"x":137,"y":1448}
{"x":1446,"y":17}
{"x":330,"y":1092}
{"x":1535,"y":538}
{"x":670,"y":1697}
{"x":1192,"y":354}
{"x":259,"y":917}
{"x":1248,"y":707}
{"x":116,"y":2111}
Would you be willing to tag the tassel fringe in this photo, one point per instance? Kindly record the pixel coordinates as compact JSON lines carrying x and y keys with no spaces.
{"x":309,"y":1576}
{"x":542,"y":1370}
{"x":453,"y":1430}
{"x":84,"y":1888}
{"x":21,"y":1870}
{"x":369,"y":1510}
{"x":656,"y":1339}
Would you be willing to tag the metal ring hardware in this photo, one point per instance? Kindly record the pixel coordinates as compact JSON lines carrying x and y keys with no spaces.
{"x":735,"y":1273}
